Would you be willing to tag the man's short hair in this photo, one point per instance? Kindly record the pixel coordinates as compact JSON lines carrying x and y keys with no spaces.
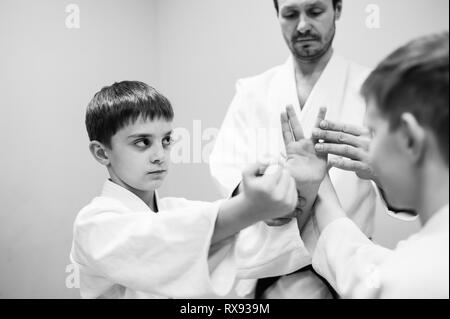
{"x":415,"y":79}
{"x":275,"y":2}
{"x":123,"y":103}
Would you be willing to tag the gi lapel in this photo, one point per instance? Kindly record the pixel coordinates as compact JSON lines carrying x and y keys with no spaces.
{"x":329,"y":91}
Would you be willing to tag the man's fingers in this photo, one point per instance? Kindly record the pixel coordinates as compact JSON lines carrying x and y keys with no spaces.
{"x":320,"y":116}
{"x":295,"y":124}
{"x":339,"y":150}
{"x":345,"y":128}
{"x":286,"y":128}
{"x":337,"y":137}
{"x":348,"y":165}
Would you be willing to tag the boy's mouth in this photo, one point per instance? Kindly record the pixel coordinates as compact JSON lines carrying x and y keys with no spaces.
{"x":157,"y":172}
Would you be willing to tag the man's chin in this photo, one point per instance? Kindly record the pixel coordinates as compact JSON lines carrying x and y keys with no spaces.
{"x":309,"y":54}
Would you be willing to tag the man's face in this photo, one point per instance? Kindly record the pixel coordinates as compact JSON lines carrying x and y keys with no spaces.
{"x":395,"y":171}
{"x":139,"y":155}
{"x":308,"y":26}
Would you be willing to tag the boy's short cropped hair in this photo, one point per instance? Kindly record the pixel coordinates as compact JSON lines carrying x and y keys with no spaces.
{"x":414,"y":79}
{"x":123,"y":103}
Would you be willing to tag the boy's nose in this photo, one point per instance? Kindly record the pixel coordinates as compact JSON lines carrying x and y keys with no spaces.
{"x":158,"y":155}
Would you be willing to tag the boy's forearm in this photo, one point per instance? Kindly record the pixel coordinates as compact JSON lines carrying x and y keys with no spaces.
{"x":309,"y":195}
{"x":327,"y":207}
{"x":234,"y":215}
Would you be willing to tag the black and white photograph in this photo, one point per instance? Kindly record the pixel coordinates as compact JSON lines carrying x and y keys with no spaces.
{"x":235,"y":150}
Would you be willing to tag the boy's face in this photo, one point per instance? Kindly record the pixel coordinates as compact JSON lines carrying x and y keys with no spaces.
{"x":390,"y":162}
{"x":139,"y":154}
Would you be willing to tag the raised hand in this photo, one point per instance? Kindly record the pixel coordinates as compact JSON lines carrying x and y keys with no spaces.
{"x":350,"y":142}
{"x":305,"y":164}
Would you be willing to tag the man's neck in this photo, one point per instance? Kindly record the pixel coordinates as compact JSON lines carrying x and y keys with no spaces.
{"x":312,"y":69}
{"x":435,"y":189}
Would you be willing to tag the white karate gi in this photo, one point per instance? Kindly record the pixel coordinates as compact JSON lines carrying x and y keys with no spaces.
{"x":357,"y":268}
{"x":125,"y":250}
{"x":251,"y":131}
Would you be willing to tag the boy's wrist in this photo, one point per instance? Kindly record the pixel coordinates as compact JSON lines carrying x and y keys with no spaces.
{"x":329,"y":212}
{"x":327,"y":207}
{"x":309,"y":191}
{"x":234,"y":215}
{"x":250,"y":208}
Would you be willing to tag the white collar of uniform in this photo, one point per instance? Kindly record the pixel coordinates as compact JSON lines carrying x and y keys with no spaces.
{"x":127,"y":198}
{"x":439,"y":220}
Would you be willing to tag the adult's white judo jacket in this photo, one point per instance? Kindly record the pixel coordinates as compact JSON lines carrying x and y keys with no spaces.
{"x":251,"y":131}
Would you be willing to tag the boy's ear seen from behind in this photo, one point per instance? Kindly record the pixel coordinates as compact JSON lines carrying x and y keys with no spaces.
{"x":415,"y":137}
{"x":98,"y":150}
{"x":338,"y":10}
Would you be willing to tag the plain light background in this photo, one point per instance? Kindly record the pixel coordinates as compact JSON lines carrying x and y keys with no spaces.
{"x":193,"y":51}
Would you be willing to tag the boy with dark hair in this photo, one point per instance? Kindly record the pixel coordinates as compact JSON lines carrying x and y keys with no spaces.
{"x":128,"y":243}
{"x":408,"y":115}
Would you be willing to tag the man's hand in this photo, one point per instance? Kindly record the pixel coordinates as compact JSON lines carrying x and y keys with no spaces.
{"x":350,"y":142}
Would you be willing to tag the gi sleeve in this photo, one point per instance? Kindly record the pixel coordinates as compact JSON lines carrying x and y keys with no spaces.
{"x":349,"y":261}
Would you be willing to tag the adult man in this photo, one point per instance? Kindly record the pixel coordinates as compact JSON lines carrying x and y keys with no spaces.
{"x":313,"y":77}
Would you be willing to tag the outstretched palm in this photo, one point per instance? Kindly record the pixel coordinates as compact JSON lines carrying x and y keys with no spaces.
{"x":305,"y":164}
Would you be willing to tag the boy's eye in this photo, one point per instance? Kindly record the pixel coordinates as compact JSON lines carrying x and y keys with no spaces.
{"x":142,"y":143}
{"x":167,"y":141}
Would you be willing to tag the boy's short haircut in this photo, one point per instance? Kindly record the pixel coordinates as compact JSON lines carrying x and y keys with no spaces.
{"x":123,"y":103}
{"x":415,"y":79}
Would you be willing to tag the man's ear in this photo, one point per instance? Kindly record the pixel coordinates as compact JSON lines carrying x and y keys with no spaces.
{"x":338,"y":10}
{"x":414,"y":137}
{"x":99,"y":151}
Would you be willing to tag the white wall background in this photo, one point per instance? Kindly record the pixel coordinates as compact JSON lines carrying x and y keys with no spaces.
{"x":191,"y":50}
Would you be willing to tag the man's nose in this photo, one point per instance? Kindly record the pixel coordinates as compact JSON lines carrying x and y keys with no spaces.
{"x":303,"y":24}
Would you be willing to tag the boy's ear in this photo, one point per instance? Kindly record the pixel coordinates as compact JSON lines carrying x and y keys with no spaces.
{"x":338,"y":10}
{"x":414,"y":137}
{"x":98,"y":150}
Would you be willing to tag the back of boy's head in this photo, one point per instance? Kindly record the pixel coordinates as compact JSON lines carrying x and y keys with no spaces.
{"x":120,"y":104}
{"x":414,"y":79}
